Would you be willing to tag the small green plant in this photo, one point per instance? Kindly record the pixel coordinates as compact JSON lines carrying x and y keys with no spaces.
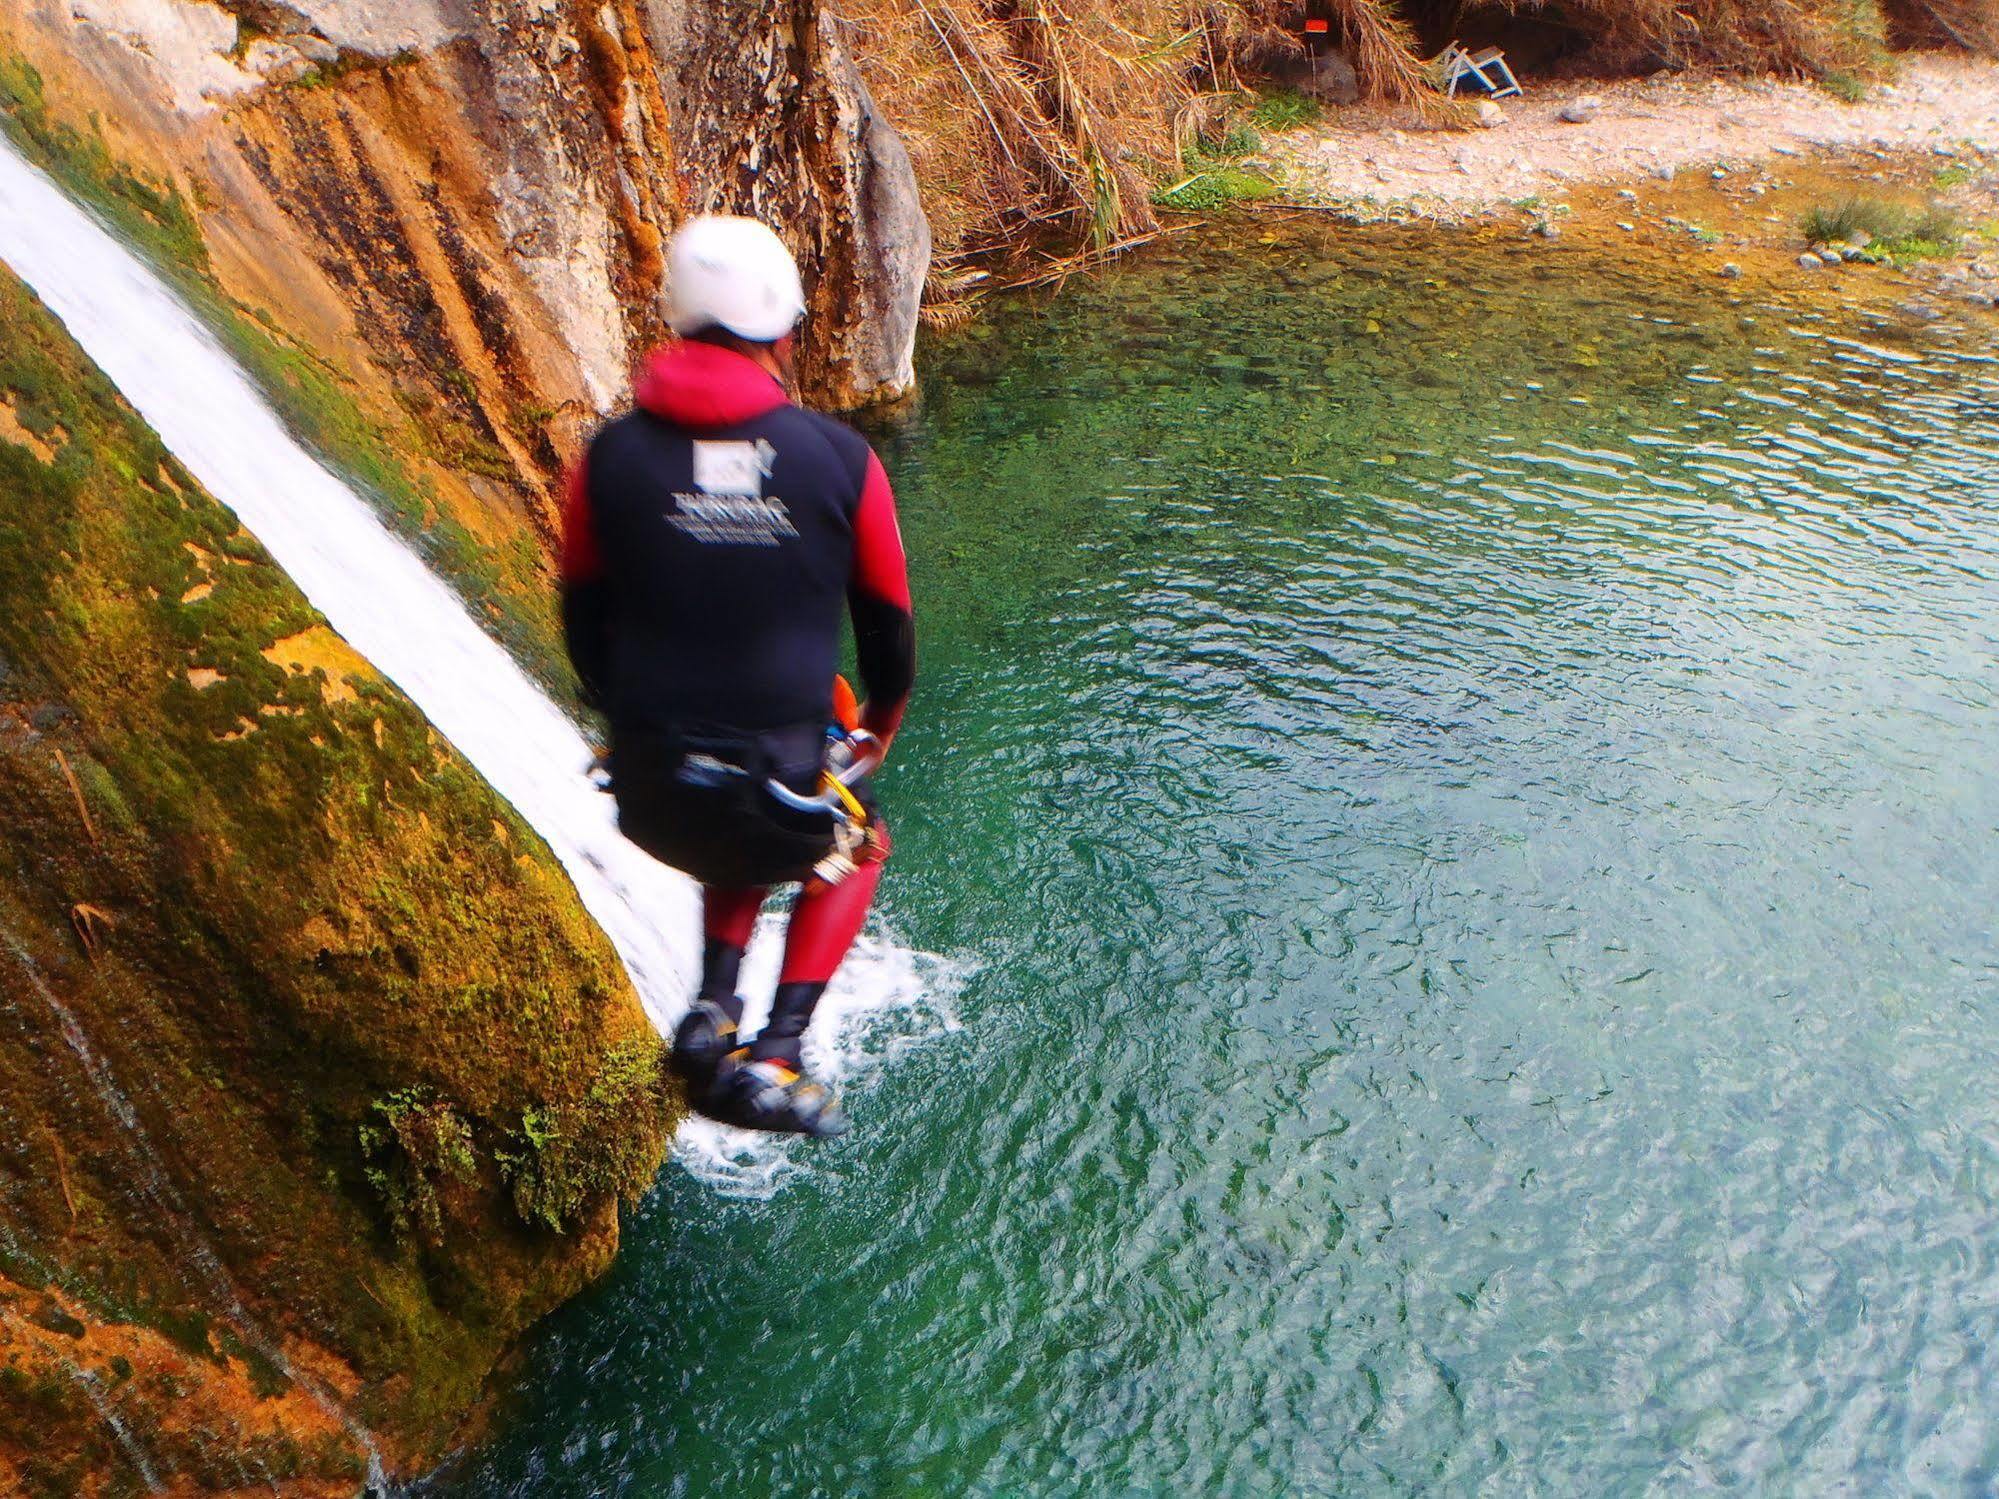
{"x":558,"y":1160}
{"x":1844,"y":85}
{"x":1286,"y":109}
{"x":1230,"y":140}
{"x":1953,"y":176}
{"x":1890,"y":231}
{"x":1215,"y":188}
{"x":415,"y":1144}
{"x":1836,"y":223}
{"x":1214,"y":174}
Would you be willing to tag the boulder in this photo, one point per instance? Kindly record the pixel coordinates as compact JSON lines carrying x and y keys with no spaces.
{"x":1333,"y":79}
{"x":384,"y":28}
{"x":1490,"y":115}
{"x":1580,"y":111}
{"x":275,"y":62}
{"x":827,"y":170}
{"x":171,"y":58}
{"x":1329,"y":77}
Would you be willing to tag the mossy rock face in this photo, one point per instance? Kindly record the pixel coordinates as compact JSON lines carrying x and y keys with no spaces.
{"x":334,"y":988}
{"x":393,"y":458}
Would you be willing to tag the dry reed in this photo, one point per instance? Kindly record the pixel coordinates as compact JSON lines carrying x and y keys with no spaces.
{"x":1037,"y":117}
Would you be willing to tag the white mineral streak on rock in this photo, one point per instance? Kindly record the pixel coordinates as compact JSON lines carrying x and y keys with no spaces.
{"x":382,"y":28}
{"x":552,"y":213}
{"x":174,"y":55}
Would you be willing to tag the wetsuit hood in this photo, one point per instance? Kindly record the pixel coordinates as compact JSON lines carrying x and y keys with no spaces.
{"x":701,"y":386}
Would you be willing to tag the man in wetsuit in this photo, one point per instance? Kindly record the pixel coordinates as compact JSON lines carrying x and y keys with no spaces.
{"x":713,"y":538}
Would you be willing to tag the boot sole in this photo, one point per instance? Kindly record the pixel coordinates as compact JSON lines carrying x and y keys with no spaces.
{"x":765,"y":1124}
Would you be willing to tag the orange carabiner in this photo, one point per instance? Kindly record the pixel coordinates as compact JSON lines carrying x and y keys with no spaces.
{"x":846,"y":707}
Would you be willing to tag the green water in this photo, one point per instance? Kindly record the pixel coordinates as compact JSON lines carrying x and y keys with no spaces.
{"x":1482,"y":903}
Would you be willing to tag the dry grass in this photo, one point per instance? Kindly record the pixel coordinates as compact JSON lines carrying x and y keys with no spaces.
{"x":1032,"y":119}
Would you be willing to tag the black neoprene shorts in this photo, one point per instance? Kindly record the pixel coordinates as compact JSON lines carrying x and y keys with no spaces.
{"x":695,"y":800}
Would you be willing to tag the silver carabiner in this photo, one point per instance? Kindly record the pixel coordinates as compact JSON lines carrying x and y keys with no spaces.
{"x":830,"y":800}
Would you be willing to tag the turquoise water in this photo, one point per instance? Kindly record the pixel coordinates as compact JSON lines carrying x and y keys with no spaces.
{"x":1481,"y":902}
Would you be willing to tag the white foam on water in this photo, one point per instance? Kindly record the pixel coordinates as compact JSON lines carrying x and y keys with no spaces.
{"x":415,"y":630}
{"x":885,"y":999}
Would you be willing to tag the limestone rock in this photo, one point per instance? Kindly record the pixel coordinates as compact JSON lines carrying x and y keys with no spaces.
{"x":1580,"y":111}
{"x":383,"y":28}
{"x":314,"y":49}
{"x":170,"y":57}
{"x":274,"y":62}
{"x":1490,"y":115}
{"x":827,"y":173}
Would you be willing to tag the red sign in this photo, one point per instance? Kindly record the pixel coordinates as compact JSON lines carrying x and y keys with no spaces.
{"x":1318,"y":28}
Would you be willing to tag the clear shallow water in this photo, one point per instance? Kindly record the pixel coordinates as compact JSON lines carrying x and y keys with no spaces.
{"x":1485,"y":969}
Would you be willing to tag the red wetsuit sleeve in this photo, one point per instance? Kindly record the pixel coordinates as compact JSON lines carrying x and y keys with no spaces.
{"x":582,"y":558}
{"x":878,"y":597}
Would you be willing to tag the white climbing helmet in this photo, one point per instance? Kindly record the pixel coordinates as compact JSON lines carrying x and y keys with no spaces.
{"x":732,"y":273}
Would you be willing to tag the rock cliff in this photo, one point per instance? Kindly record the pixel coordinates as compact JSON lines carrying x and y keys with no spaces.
{"x":317,"y":1085}
{"x":461,"y":206}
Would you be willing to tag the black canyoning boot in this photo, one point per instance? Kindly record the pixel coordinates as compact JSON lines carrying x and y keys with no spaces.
{"x":705,"y":1035}
{"x":772,"y":1096}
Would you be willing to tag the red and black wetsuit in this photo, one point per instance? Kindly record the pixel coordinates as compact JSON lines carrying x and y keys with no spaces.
{"x":713,"y":539}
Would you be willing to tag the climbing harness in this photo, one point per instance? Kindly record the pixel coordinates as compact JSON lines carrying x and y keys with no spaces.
{"x":851,"y":755}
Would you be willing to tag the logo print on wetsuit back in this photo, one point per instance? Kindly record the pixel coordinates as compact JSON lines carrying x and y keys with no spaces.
{"x":730,"y":508}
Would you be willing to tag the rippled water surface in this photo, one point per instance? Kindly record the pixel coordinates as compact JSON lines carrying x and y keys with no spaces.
{"x":1470,"y":783}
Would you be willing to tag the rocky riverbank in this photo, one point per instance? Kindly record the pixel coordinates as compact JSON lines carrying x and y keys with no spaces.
{"x":1560,"y":138}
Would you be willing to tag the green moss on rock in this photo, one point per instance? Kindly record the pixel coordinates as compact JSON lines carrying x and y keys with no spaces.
{"x":506,"y":589}
{"x":334,"y":973}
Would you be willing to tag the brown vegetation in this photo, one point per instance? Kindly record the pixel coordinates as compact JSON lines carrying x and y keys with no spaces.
{"x":1026,"y":116}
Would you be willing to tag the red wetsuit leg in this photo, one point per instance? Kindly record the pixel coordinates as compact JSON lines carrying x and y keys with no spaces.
{"x":822,"y":931}
{"x":824,"y":926}
{"x":729,"y":916}
{"x":727,"y":919}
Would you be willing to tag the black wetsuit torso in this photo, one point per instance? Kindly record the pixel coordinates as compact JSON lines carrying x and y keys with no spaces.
{"x":728,"y":604}
{"x":712,"y":538}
